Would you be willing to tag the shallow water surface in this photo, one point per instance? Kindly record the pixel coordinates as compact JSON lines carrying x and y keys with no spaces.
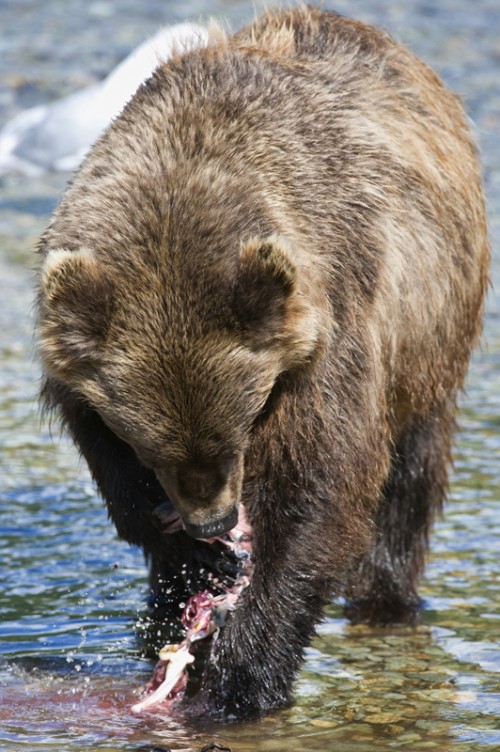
{"x":72,"y":657}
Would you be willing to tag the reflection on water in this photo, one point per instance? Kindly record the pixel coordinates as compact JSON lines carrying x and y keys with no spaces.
{"x":71,"y":594}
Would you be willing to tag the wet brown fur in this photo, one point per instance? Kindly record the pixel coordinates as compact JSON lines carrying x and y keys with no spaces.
{"x":271,"y":278}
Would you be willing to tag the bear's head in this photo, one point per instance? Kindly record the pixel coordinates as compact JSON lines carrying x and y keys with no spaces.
{"x":179,"y":356}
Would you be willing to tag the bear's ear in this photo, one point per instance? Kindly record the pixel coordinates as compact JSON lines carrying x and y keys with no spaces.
{"x":269,"y":302}
{"x":266,"y":279}
{"x":74,"y":307}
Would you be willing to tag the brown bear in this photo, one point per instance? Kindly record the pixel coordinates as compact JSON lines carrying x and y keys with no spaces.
{"x":260,"y":293}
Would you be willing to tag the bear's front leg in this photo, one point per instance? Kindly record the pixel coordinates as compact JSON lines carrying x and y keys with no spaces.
{"x":258,"y":653}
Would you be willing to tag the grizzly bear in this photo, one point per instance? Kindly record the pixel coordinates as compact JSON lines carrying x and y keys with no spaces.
{"x":260,"y":293}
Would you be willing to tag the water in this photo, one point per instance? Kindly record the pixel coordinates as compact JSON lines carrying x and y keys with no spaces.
{"x":71,"y":657}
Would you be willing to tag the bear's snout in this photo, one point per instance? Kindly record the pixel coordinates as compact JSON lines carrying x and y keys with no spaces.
{"x":205,"y":496}
{"x":201,"y":485}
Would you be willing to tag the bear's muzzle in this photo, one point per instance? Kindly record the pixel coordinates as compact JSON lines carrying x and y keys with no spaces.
{"x":206,"y":497}
{"x":213,"y":528}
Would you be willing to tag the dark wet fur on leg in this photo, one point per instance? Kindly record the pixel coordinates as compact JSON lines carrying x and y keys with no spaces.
{"x":384,"y":588}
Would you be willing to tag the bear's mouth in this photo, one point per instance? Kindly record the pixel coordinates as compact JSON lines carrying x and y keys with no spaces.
{"x":204,"y":614}
{"x":171,"y":522}
{"x":214,"y":528}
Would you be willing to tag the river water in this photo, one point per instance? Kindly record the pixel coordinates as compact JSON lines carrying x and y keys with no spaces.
{"x":71,"y":595}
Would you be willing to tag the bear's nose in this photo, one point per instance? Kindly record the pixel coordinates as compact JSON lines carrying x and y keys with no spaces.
{"x":213,"y":528}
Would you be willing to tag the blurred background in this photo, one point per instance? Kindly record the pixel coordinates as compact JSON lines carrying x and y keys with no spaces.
{"x":72,"y":629}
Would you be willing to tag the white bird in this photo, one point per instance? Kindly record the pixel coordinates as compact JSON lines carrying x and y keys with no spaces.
{"x":56,"y":137}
